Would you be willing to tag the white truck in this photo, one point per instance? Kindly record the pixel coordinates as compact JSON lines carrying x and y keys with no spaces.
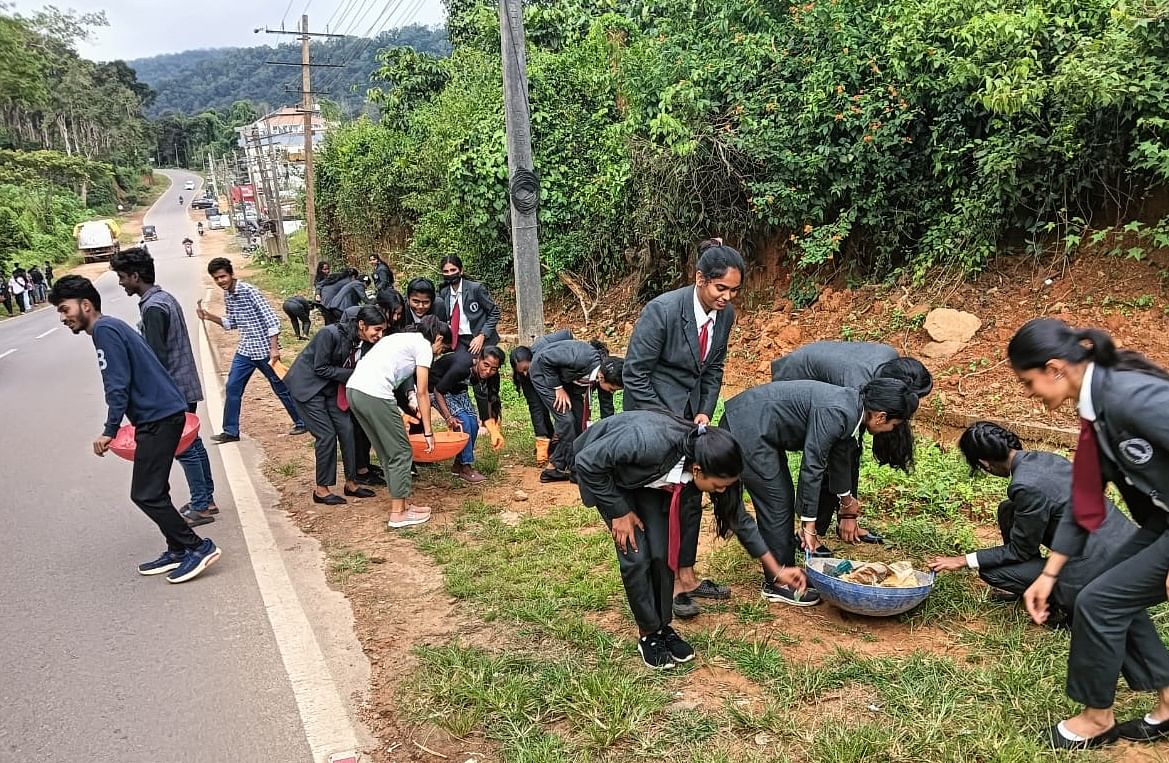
{"x":97,"y":240}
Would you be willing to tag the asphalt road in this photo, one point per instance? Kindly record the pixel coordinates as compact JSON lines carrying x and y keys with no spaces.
{"x":98,"y":663}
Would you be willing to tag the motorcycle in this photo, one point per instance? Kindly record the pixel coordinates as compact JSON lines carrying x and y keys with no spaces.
{"x":188,"y":246}
{"x":199,"y":228}
{"x":180,"y":201}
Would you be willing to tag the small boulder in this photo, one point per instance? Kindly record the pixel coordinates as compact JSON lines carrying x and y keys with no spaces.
{"x":946,"y":325}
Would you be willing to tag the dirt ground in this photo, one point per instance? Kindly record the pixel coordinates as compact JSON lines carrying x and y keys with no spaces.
{"x":400,"y":602}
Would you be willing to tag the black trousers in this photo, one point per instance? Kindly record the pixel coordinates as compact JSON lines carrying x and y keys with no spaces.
{"x":330,"y":427}
{"x":566,"y":427}
{"x":541,"y":422}
{"x":645,"y":573}
{"x":155,"y":443}
{"x":774,"y":498}
{"x":362,"y":447}
{"x":1112,"y":634}
{"x":7,"y":303}
{"x":1018,"y":577}
{"x":301,"y":321}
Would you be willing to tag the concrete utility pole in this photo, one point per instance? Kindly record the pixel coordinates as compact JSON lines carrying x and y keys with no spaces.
{"x":214,"y":184}
{"x":267,"y":189}
{"x":306,"y":108}
{"x":523,"y":189}
{"x":277,"y":211}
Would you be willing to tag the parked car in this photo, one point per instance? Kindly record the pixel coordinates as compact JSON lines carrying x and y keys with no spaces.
{"x":212,"y":211}
{"x":149,"y":233}
{"x":202,"y":203}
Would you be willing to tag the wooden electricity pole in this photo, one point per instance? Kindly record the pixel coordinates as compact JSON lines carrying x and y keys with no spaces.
{"x":306,"y":109}
{"x":523,"y":190}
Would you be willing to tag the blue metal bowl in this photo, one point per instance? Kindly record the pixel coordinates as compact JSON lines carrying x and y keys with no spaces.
{"x":873,"y":601}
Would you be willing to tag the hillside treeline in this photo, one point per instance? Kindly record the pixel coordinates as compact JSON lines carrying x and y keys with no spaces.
{"x":889,"y":137}
{"x":197,"y":81}
{"x":73,"y":139}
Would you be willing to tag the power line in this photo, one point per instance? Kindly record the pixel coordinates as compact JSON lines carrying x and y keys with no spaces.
{"x":370,"y":38}
{"x":285,"y":16}
{"x":343,"y":8}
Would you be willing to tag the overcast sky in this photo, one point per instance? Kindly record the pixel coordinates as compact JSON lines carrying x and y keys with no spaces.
{"x":141,"y":28}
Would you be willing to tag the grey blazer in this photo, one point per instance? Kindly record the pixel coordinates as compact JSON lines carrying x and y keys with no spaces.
{"x":845,"y":364}
{"x":662,"y":369}
{"x":319,"y":364}
{"x":482,"y":311}
{"x":560,"y":363}
{"x":815,"y":418}
{"x":618,"y":455}
{"x":1041,"y":494}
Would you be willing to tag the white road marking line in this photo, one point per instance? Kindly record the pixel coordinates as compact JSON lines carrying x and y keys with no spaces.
{"x":50,"y":331}
{"x":327,"y":725}
{"x":6,"y":353}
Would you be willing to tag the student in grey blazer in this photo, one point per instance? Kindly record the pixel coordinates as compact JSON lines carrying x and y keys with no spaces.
{"x":564,"y":375}
{"x":821,"y":421}
{"x":1039,"y":500}
{"x":854,"y":364}
{"x":674,"y":362}
{"x":316,"y":381}
{"x":1122,"y":399}
{"x":635,"y":469}
{"x":478,"y":313}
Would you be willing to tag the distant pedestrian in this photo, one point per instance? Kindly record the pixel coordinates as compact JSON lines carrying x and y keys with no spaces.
{"x":259,"y":346}
{"x":165,"y":331}
{"x":383,"y":277}
{"x":299,"y":312}
{"x":49,"y":274}
{"x":5,"y":293}
{"x":18,"y":287}
{"x":137,"y":387}
{"x":39,"y":292}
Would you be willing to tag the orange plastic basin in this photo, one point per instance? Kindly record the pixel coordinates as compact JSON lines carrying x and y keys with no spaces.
{"x":123,"y":443}
{"x":446,"y":445}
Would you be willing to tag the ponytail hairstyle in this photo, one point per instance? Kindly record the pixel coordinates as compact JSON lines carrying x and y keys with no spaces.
{"x":432,"y":328}
{"x":1041,"y":340}
{"x":611,"y":369}
{"x":909,"y":370}
{"x":987,"y":441}
{"x":717,"y":453}
{"x":896,"y":400}
{"x":519,"y":355}
{"x":717,"y":259}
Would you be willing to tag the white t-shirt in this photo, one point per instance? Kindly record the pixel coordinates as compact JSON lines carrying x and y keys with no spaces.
{"x":389,"y":363}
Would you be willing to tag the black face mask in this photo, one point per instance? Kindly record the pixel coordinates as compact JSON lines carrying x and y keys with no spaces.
{"x":452,"y":280}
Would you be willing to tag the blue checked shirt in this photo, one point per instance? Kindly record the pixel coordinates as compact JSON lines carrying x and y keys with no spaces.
{"x":248,"y":311}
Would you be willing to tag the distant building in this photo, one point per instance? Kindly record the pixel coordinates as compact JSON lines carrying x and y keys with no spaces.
{"x":278,"y":139}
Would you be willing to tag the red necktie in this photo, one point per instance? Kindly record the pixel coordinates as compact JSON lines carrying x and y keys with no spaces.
{"x":675,"y":531}
{"x":703,"y":341}
{"x":342,"y":398}
{"x":1087,"y":481}
{"x":588,"y":414}
{"x":455,"y":315}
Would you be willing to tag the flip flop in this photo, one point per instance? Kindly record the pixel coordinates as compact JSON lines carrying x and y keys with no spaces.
{"x":411,"y":519}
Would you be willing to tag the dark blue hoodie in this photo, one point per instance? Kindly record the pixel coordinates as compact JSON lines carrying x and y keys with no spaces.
{"x":137,"y":386}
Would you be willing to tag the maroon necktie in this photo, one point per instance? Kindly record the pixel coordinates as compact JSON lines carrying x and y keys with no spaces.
{"x":588,"y":413}
{"x":342,"y":398}
{"x":455,"y":315}
{"x":675,"y":531}
{"x":703,"y":341}
{"x":1087,"y":481}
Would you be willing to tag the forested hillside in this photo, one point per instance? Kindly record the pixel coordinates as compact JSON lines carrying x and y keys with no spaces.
{"x":930,"y":133}
{"x":200,"y":80}
{"x":73,"y":139}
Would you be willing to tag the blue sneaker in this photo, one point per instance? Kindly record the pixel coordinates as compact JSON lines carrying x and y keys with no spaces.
{"x":168,"y":561}
{"x":194,"y":562}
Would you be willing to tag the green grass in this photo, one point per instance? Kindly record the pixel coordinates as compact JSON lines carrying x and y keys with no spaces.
{"x":345,"y":563}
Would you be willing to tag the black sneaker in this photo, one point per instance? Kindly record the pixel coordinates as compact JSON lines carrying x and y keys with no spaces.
{"x":1140,"y":730}
{"x":684,"y":607}
{"x":708,"y":589}
{"x":784,"y":595}
{"x":552,"y":474}
{"x":654,"y":653}
{"x":224,"y":437}
{"x":298,"y":429}
{"x":677,"y":647}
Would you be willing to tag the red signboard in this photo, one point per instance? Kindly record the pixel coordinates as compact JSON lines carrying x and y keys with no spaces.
{"x":243,"y":193}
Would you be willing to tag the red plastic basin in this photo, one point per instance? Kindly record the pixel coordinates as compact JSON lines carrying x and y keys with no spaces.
{"x":123,"y":444}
